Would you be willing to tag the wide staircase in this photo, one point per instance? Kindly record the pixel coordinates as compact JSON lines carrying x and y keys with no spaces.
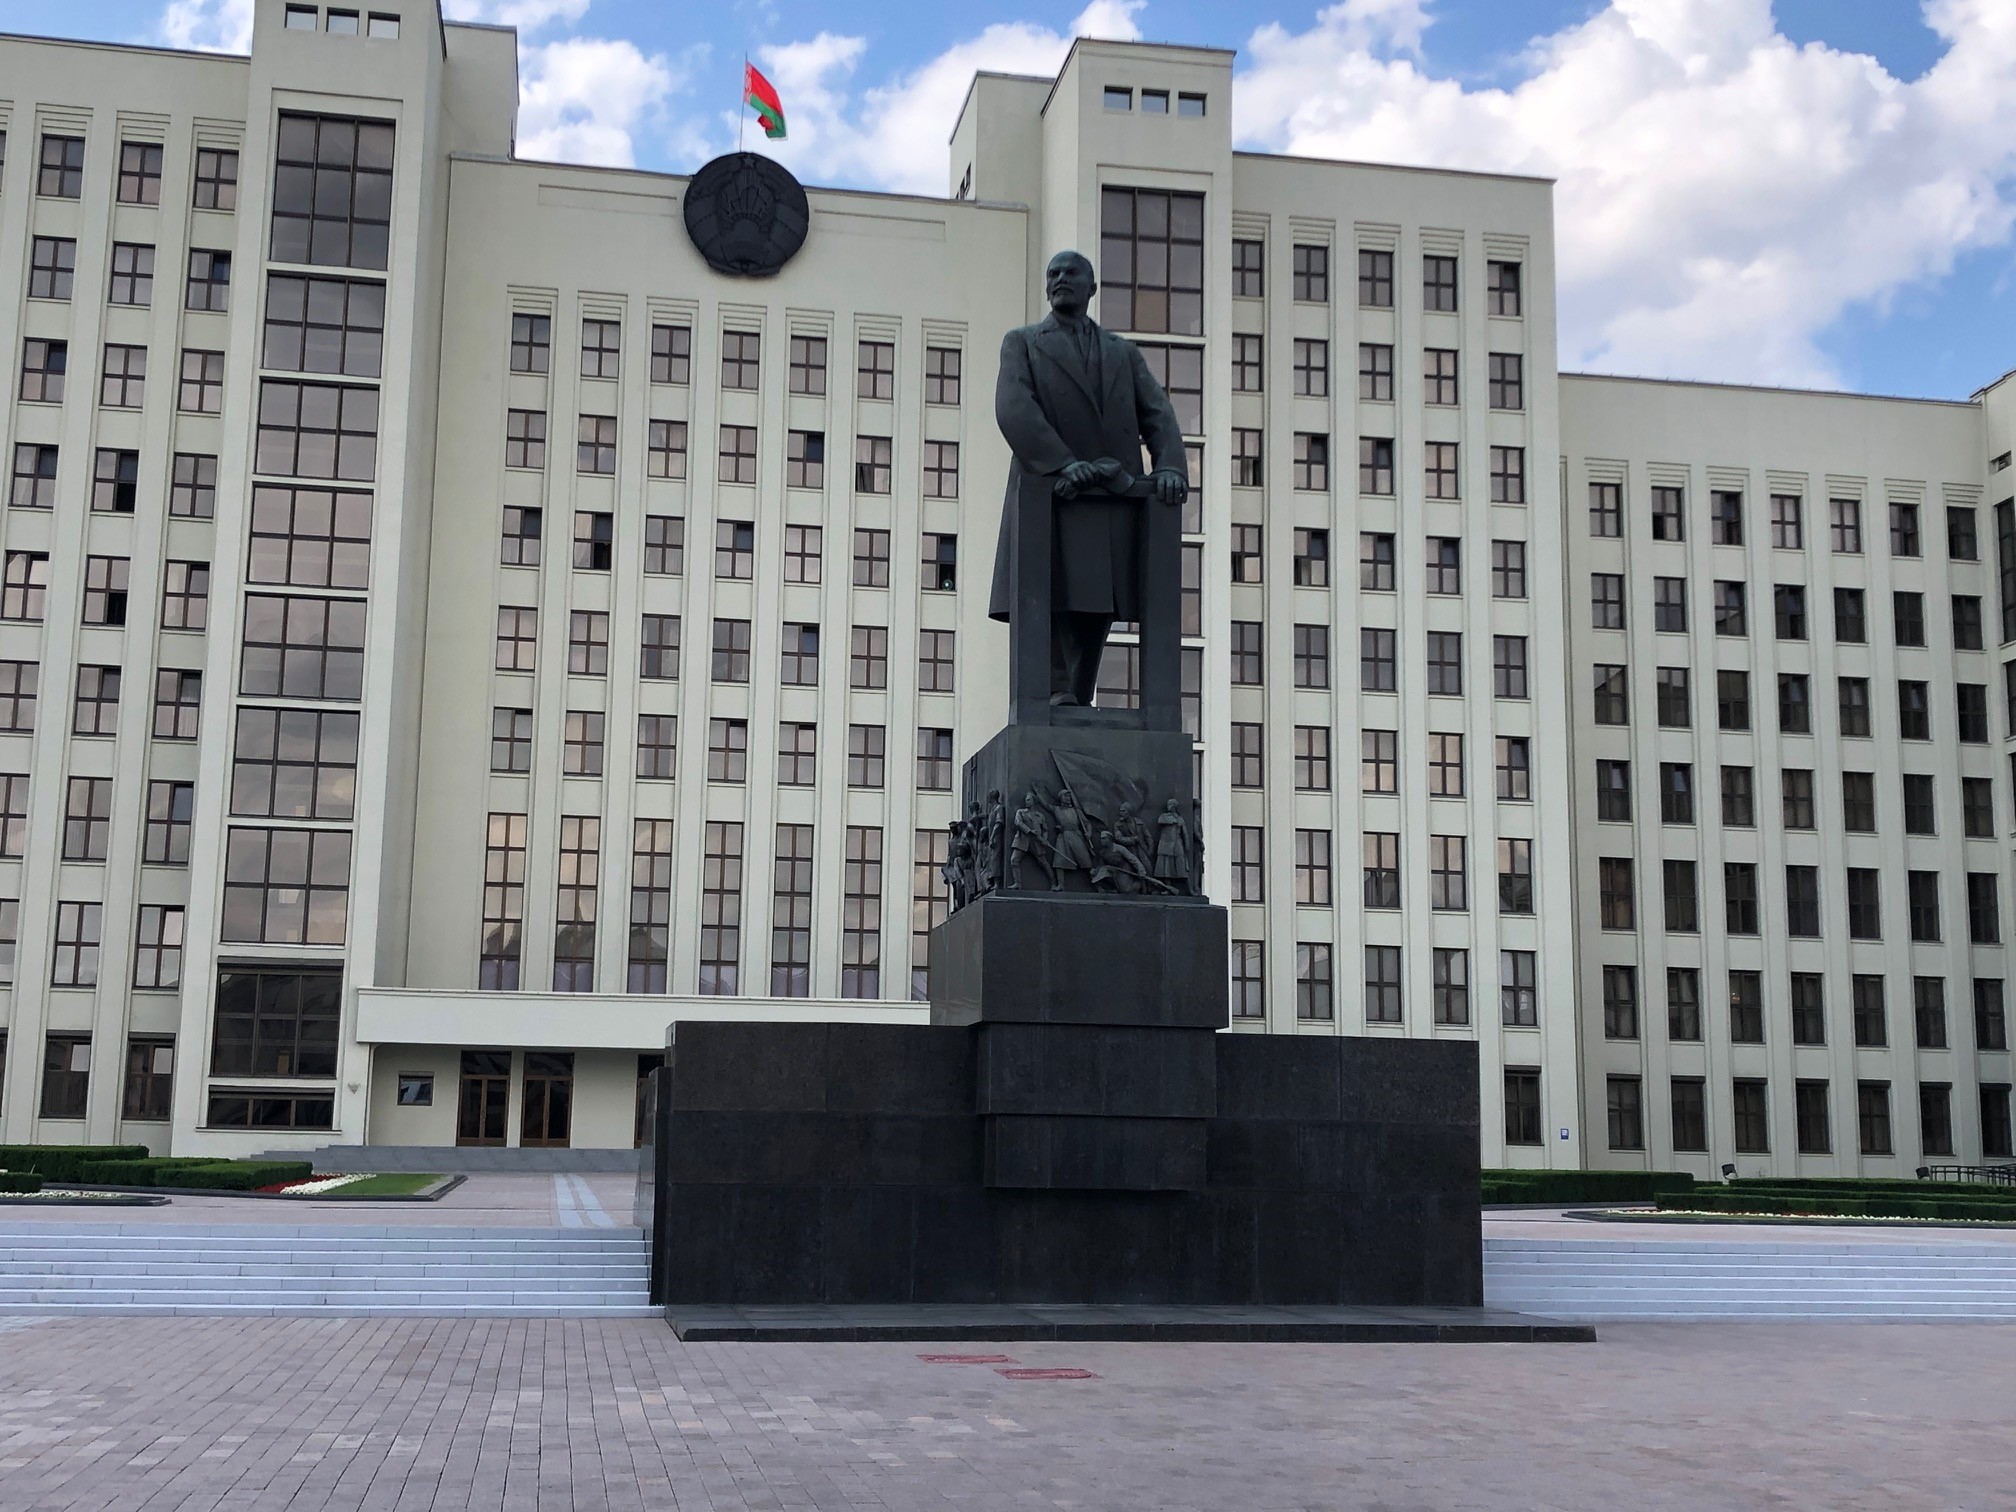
{"x":1697,"y":1279}
{"x":245,"y":1269}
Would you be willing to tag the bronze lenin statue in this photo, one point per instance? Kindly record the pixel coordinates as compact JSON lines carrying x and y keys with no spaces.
{"x":1077,"y":405}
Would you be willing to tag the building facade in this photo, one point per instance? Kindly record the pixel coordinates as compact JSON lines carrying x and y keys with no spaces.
{"x":447,"y":631}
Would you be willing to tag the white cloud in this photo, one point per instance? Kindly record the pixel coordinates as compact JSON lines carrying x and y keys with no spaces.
{"x":582,"y":99}
{"x":210,"y":25}
{"x":527,"y":15}
{"x":1724,"y":194}
{"x":893,"y":135}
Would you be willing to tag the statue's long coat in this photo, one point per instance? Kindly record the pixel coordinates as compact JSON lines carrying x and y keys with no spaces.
{"x":1046,"y":409}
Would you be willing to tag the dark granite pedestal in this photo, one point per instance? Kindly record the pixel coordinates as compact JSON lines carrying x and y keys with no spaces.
{"x":849,"y":1163}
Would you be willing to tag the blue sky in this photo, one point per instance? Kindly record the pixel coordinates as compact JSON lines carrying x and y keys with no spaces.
{"x":1808,"y":191}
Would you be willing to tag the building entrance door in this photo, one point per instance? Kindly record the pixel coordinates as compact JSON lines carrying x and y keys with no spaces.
{"x":549,"y":1099}
{"x":485,"y":1097}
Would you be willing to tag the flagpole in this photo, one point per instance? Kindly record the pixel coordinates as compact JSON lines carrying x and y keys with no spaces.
{"x":742,"y":104}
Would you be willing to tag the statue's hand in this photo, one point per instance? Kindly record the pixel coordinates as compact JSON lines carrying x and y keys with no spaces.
{"x":1171,"y":486}
{"x":1077,"y":476}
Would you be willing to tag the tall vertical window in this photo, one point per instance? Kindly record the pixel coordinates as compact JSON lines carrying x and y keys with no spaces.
{"x":1315,"y":991}
{"x":1249,"y":979}
{"x":930,"y":903}
{"x":332,"y":191}
{"x":1151,"y":254}
{"x":791,"y":913}
{"x":650,"y":905}
{"x":62,"y":167}
{"x":861,"y":914}
{"x":1310,"y":274}
{"x":201,"y":391}
{"x":721,"y":910}
{"x":216,"y":185}
{"x":1382,"y":984}
{"x":501,"y":947}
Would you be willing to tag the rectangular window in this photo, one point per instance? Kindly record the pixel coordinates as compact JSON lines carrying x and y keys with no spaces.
{"x":1312,"y":758}
{"x":1858,"y":802}
{"x":941,"y":469}
{"x":171,"y":809}
{"x":1450,"y":981}
{"x":1248,"y":365}
{"x":1518,"y":989}
{"x":1315,"y":1000}
{"x":1249,"y":982}
{"x":1627,"y":1113}
{"x":216,"y":185}
{"x":1382,"y":984}
{"x":1748,"y":1111}
{"x":727,"y":750}
{"x":1690,"y":1114}
{"x":525,"y":438}
{"x":1375,"y":562}
{"x":510,"y":740}
{"x":1508,"y":666}
{"x":1445,"y":662}
{"x":671,"y":356}
{"x":575,"y":889}
{"x":309,"y":537}
{"x":1439,"y":469}
{"x":502,"y":943}
{"x":1522,"y":1105}
{"x":741,"y":360}
{"x":178,"y":703}
{"x":531,"y":343}
{"x":1904,"y":535}
{"x":1515,"y":876}
{"x":1683,"y":1003}
{"x":791,"y":913}
{"x":808,"y":365}
{"x":150,"y":1069}
{"x":1508,"y":475}
{"x":52,"y":268}
{"x":1502,"y":286}
{"x":1249,"y":262}
{"x":1514,"y":766}
{"x":96,"y":710}
{"x":517,"y":638}
{"x":124,"y":381}
{"x":1681,"y":897}
{"x":721,"y":910}
{"x":1507,"y":381}
{"x":317,"y":430}
{"x":1448,"y":872}
{"x":1508,"y":569}
{"x":873,"y":464}
{"x":1725,"y":517}
{"x":868,"y":657}
{"x":1844,"y":525}
{"x":208,"y":286}
{"x":44,"y":367}
{"x":1872,"y":1113}
{"x":1248,"y":869}
{"x":601,"y":349}
{"x":1438,"y":376}
{"x":303,"y":648}
{"x":797,"y":753}
{"x":66,"y":1070}
{"x":286,"y":887}
{"x":1151,"y":261}
{"x":861,"y":914}
{"x":1312,"y":656}
{"x":1438,"y":283}
{"x":1731,"y":609}
{"x":1746,"y":1007}
{"x":1669,"y":521}
{"x":657,"y":745}
{"x":332,"y":191}
{"x":1812,"y":1118}
{"x":1787,"y":524}
{"x":1616,"y":893}
{"x":942,"y":368}
{"x":34,"y":482}
{"x":934,"y":760}
{"x":650,"y":906}
{"x":1606,"y":509}
{"x":1375,"y":371}
{"x":581,"y":743}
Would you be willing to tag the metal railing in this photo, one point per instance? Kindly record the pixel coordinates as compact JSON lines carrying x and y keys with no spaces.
{"x":1994,"y":1175}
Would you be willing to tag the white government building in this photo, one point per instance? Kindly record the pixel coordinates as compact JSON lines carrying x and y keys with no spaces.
{"x":447,"y":632}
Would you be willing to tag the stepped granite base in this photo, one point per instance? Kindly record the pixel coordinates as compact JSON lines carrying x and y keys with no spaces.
{"x":851,"y":1163}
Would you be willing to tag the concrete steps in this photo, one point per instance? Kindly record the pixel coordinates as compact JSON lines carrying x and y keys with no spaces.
{"x":133,"y":1268}
{"x":1684,"y":1278}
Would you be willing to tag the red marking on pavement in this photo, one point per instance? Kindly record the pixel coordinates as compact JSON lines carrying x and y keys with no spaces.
{"x":1068,"y":1373}
{"x":967,"y":1359}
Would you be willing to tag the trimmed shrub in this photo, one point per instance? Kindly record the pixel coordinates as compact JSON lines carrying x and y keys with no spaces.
{"x":241,"y":1175}
{"x":20,"y":1181}
{"x":196,"y":1172}
{"x":1583,"y":1186}
{"x":1820,"y":1204}
{"x":62,"y":1162}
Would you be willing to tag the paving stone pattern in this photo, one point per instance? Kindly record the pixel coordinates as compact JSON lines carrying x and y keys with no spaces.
{"x":192,"y":1414}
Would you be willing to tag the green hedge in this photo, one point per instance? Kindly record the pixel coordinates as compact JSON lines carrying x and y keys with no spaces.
{"x":200,"y":1173}
{"x":1821,"y":1204}
{"x":1872,"y":1186}
{"x":1583,"y":1186}
{"x":63,"y":1162}
{"x":20,"y":1181}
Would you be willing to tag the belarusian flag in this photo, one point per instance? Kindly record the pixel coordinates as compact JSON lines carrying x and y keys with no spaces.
{"x":759,"y":92}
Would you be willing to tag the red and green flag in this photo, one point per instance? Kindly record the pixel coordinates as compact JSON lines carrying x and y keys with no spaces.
{"x":759,"y":92}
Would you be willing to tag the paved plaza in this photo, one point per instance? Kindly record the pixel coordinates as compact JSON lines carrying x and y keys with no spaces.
{"x":190,"y":1413}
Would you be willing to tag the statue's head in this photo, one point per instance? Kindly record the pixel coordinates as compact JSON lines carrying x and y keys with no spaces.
{"x":1069,"y":282}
